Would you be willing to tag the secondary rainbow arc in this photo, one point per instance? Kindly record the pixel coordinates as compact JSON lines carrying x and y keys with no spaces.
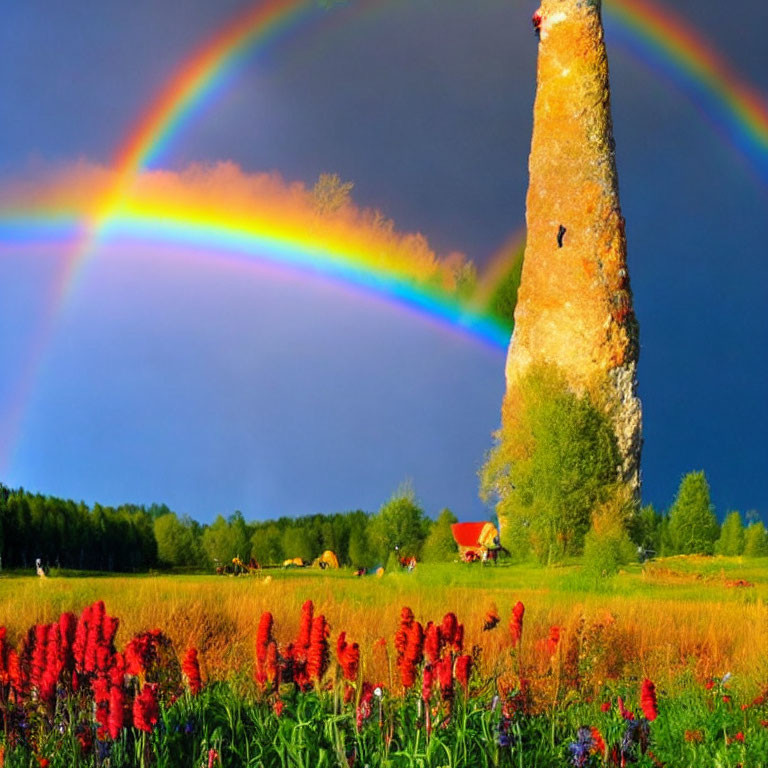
{"x":658,"y":35}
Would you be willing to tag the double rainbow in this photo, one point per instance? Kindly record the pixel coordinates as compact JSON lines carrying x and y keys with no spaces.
{"x":657,"y":34}
{"x":671,"y":46}
{"x":660,"y":38}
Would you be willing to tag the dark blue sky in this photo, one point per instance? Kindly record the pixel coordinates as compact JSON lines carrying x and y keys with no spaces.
{"x":216,"y":387}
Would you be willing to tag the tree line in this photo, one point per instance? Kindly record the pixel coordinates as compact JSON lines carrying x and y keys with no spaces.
{"x":400,"y":528}
{"x":691,"y":526}
{"x":131,"y":538}
{"x":73,"y":535}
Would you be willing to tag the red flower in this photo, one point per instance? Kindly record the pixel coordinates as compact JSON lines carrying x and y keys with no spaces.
{"x":448,"y":628}
{"x":15,"y":672}
{"x":433,"y":643}
{"x":271,"y":663}
{"x":401,"y":636}
{"x":348,"y":657}
{"x":145,"y":711}
{"x":116,"y":704}
{"x":264,"y":636}
{"x":516,"y":623}
{"x":598,"y":745}
{"x":709,"y":685}
{"x":605,"y":706}
{"x":295,"y":668}
{"x":191,"y":669}
{"x":3,"y":661}
{"x":463,"y":668}
{"x":458,"y":639}
{"x":142,"y":652}
{"x":623,"y":711}
{"x":317,"y":656}
{"x":67,"y":627}
{"x":427,"y":682}
{"x":727,"y":699}
{"x":37,"y":666}
{"x":100,"y":687}
{"x":109,"y":627}
{"x":103,"y":657}
{"x":138,"y":653}
{"x":81,"y":637}
{"x":117,"y":670}
{"x":445,"y":677}
{"x":278,"y":707}
{"x":553,"y":640}
{"x":364,"y":706}
{"x":301,"y":646}
{"x":94,"y":636}
{"x":53,"y":665}
{"x":648,"y":700}
{"x":413,"y":655}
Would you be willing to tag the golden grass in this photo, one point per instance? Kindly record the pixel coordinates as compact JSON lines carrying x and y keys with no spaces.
{"x":656,"y":621}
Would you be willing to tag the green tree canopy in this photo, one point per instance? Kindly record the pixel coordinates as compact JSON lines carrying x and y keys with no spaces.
{"x":266,"y":545}
{"x":692,"y":522}
{"x":299,"y":541}
{"x":646,"y":529}
{"x":399,"y":525}
{"x":756,"y":541}
{"x":555,"y":461}
{"x":225,"y":539}
{"x":731,"y":541}
{"x":360,"y":552}
{"x":177,"y":540}
{"x":439,"y":545}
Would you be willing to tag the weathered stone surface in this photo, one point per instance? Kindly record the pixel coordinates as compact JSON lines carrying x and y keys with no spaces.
{"x":574,"y":304}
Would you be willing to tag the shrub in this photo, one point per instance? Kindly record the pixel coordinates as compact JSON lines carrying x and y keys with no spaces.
{"x":607,"y":545}
{"x":440,"y":545}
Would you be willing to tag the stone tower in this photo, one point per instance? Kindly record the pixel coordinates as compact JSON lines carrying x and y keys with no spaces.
{"x":574,"y":304}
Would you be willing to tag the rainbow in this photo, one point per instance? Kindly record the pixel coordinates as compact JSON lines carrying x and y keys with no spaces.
{"x":261,"y":241}
{"x":657,"y":35}
{"x":670,"y":45}
{"x":198,"y":77}
{"x":661,"y":39}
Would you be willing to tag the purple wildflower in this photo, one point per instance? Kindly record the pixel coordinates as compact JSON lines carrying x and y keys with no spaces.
{"x":581,"y":747}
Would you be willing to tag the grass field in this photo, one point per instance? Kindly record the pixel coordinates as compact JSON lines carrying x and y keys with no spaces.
{"x":696,"y":627}
{"x":659,"y":619}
